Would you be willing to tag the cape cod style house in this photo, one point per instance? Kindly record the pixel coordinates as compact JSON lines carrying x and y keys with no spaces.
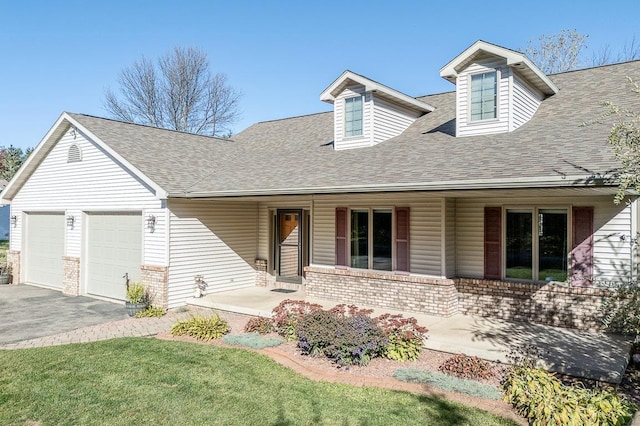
{"x":492,"y":199}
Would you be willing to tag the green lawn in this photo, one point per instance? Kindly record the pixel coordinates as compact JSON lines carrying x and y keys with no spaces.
{"x":149,"y":381}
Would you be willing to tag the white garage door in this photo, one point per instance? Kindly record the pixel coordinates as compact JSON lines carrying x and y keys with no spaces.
{"x":114,"y":248}
{"x":44,"y":249}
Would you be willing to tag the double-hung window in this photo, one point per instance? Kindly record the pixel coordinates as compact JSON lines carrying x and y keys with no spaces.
{"x":484,"y":96}
{"x":536,"y":244}
{"x":353,"y":116}
{"x":373,"y":238}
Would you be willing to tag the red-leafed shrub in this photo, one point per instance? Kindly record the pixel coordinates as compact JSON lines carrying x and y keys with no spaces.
{"x":467,"y":367}
{"x":406,"y":337}
{"x":288,"y":314}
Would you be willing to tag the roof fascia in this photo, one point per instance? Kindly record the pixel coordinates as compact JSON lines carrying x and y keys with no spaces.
{"x":577,"y":181}
{"x":514,"y":59}
{"x":46,"y":145}
{"x":334,"y":89}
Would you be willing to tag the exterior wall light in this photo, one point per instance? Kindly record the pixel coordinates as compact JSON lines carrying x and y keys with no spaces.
{"x":151,"y":222}
{"x":14,"y":221}
{"x":71,"y":220}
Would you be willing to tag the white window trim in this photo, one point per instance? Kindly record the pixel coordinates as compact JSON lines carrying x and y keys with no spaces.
{"x":471,"y":122}
{"x":534,"y":210}
{"x":344,"y":121}
{"x":370,"y":211}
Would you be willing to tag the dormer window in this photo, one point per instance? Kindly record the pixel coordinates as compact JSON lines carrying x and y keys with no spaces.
{"x":484,"y":96}
{"x":353,"y":116}
{"x":497,"y":89}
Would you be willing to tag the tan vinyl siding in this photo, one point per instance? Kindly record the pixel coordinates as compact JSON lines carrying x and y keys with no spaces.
{"x":214,"y":239}
{"x":611,"y":255}
{"x":466,"y":127}
{"x":389,"y":120}
{"x":96,"y":183}
{"x":340,"y":142}
{"x":449,"y":239}
{"x":425,"y":228}
{"x":526,"y":101}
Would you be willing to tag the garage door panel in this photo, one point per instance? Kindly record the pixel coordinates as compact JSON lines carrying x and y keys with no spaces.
{"x":45,"y":249}
{"x":114,"y":248}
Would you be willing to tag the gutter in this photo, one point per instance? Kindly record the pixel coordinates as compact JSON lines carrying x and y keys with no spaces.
{"x":518,"y":183}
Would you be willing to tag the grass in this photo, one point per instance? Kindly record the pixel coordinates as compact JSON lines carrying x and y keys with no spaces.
{"x":150,"y":381}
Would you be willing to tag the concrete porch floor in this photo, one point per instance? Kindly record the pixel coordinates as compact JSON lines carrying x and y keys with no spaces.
{"x":590,"y":355}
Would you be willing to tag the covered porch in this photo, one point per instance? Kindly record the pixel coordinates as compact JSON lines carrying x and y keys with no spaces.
{"x":592,"y":355}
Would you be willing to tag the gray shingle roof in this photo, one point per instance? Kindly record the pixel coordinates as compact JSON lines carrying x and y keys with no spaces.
{"x":296,"y":155}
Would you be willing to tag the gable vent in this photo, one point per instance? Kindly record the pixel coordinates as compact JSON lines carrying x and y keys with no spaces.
{"x":74,"y":155}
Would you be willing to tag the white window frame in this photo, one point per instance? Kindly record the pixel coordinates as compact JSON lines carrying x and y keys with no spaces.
{"x":535,"y":246}
{"x":497,"y":95}
{"x":370,"y":211}
{"x":344,"y":128}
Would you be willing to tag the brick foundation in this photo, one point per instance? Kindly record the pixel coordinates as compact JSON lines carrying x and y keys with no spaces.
{"x":260,"y":265}
{"x":551,"y":304}
{"x":71,"y":277}
{"x":13,"y":260}
{"x":154,"y":278}
{"x":433,"y":296}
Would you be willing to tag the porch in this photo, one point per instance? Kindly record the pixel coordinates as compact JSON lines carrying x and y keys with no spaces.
{"x":592,"y":355}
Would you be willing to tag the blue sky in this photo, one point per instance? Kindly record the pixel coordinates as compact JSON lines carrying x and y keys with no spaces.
{"x":62,"y":55}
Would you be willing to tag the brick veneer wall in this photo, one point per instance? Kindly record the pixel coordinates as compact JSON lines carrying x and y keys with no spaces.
{"x":260,"y":265}
{"x":13,"y":260}
{"x":434,"y":296}
{"x":154,"y":278}
{"x":71,"y":277}
{"x":551,"y":304}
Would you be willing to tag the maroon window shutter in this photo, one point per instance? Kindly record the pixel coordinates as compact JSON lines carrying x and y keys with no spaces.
{"x":582,"y":246}
{"x":341,"y":237}
{"x":402,"y":239}
{"x":492,"y":242}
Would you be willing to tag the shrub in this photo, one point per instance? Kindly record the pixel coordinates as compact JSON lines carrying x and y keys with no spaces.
{"x":621,"y":312}
{"x":449,"y":383}
{"x":540,"y":397}
{"x":260,"y":325}
{"x":202,"y":328}
{"x":137,"y":293}
{"x":287,"y":315}
{"x":406,"y":337}
{"x":467,"y":367}
{"x":350,"y":310}
{"x":345,"y":340}
{"x":151,"y":311}
{"x":252,"y":340}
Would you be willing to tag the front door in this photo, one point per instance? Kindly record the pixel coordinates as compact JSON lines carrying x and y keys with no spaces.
{"x":289,"y":235}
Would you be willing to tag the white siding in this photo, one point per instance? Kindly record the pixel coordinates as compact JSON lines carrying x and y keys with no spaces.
{"x":96,"y":183}
{"x":425,"y":228}
{"x":465,"y":127}
{"x":526,"y":101}
{"x":612,"y":256}
{"x":389,"y":120}
{"x":340,"y":142}
{"x":215,"y":239}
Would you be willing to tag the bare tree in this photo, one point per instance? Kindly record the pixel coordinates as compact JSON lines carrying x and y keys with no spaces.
{"x":557,"y":52}
{"x":629,"y":52}
{"x":180,"y":93}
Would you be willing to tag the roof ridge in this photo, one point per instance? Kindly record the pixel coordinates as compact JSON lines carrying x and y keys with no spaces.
{"x":146,"y":125}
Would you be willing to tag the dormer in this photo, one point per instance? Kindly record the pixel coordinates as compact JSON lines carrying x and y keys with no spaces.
{"x":366,"y":112}
{"x":497,"y":89}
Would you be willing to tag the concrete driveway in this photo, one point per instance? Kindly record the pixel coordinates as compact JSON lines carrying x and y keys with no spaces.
{"x":30,"y":312}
